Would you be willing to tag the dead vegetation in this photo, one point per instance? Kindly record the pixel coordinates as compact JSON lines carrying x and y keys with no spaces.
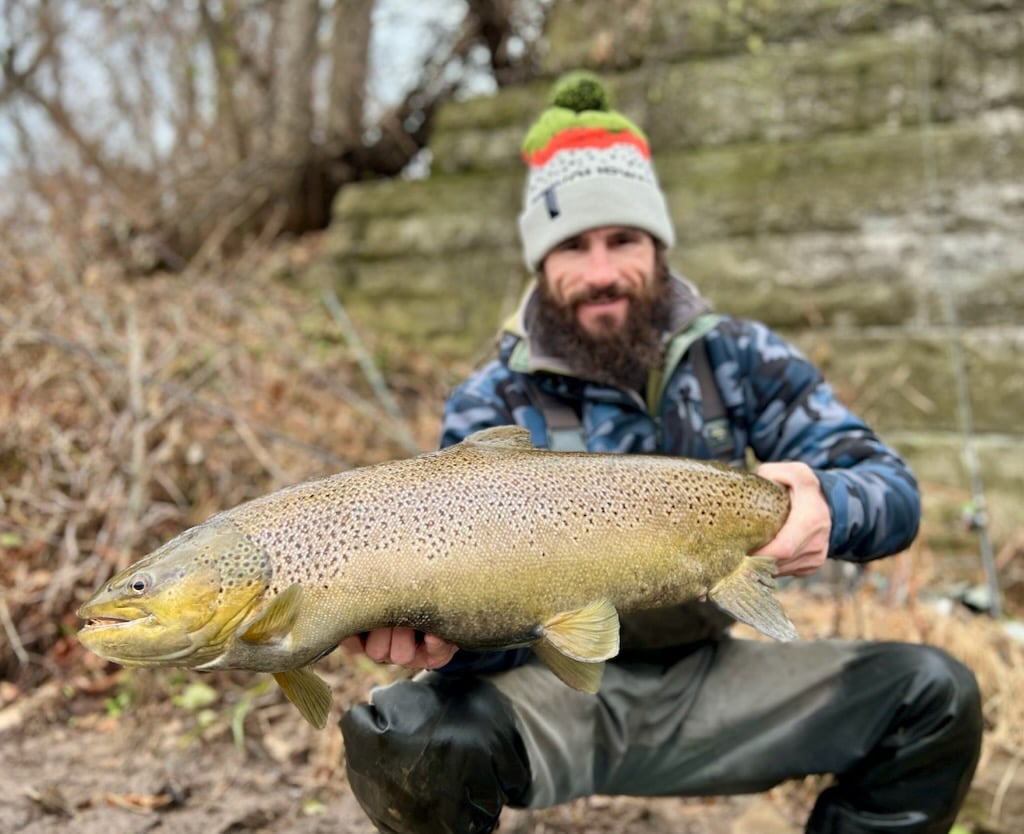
{"x":131,"y":409}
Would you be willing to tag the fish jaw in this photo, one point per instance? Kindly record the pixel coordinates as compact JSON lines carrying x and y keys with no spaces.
{"x":181,"y":605}
{"x":132,"y":640}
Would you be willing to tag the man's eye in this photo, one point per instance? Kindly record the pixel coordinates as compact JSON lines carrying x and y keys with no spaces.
{"x":625,"y":239}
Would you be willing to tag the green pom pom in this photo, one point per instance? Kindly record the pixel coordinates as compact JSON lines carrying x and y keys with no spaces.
{"x":579,"y":91}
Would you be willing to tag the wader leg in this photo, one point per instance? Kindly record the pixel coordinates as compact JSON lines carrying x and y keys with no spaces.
{"x":437,"y":758}
{"x":915,"y":776}
{"x":898,"y":725}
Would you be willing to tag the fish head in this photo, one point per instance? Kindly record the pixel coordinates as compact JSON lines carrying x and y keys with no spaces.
{"x":182,"y":604}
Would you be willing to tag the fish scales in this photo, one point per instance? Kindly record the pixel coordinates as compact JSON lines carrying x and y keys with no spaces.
{"x":489,"y":543}
{"x":480,"y":530}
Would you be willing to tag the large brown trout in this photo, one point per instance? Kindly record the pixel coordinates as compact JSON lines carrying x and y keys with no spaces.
{"x":490,"y":543}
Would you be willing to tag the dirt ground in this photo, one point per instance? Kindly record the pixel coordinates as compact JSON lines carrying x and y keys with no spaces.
{"x":111,"y":751}
{"x":155,"y":770}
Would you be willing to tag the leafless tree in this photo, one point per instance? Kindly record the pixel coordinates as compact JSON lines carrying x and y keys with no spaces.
{"x":191,"y":126}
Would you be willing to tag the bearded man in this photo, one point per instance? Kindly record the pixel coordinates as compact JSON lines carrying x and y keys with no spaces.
{"x":611,"y":352}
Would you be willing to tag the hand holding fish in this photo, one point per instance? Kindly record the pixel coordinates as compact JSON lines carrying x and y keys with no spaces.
{"x":801,"y":545}
{"x":402,"y":647}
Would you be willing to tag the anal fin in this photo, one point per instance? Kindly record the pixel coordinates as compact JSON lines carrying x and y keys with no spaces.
{"x":747,"y":594}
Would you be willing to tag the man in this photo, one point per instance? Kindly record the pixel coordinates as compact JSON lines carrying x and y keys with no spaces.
{"x":612,"y":352}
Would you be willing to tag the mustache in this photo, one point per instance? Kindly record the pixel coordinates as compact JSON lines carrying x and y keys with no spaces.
{"x":608,"y":292}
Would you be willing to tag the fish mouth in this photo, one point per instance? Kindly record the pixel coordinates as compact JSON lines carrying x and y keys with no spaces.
{"x":107,"y":621}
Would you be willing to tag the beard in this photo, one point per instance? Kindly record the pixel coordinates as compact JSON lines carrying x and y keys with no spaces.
{"x":621,"y":357}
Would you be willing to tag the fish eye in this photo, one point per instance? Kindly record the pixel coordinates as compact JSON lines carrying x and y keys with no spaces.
{"x":139,"y":583}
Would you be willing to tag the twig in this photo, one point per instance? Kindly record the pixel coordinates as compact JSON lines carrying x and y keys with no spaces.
{"x":1005,"y":782}
{"x":137,"y":475}
{"x":12,"y":633}
{"x":253,"y":444}
{"x":370,"y":371}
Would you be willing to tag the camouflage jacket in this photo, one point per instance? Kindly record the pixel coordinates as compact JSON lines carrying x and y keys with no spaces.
{"x":777,"y":405}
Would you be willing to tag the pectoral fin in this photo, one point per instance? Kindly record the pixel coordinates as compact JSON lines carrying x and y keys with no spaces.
{"x":310,"y":694}
{"x":575,"y":644}
{"x":278,"y":619}
{"x":747,"y":595}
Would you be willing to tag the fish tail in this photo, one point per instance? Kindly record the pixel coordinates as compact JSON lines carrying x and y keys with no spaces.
{"x":747,"y":594}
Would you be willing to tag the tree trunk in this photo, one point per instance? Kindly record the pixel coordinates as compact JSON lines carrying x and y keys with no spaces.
{"x":220,"y":38}
{"x":350,"y":50}
{"x":291,"y":130}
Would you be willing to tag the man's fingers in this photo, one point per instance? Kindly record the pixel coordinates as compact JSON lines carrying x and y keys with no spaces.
{"x":403,"y":647}
{"x":436,"y":652}
{"x":378,"y":645}
{"x":354,"y":644}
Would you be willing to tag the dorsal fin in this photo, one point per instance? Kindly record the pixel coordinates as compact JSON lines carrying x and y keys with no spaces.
{"x":278,"y":619}
{"x":515,"y":437}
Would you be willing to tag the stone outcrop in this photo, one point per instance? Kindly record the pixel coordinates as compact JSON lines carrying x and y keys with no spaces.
{"x":852,"y":173}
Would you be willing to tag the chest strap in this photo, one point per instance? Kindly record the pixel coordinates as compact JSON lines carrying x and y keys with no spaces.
{"x":565,"y":426}
{"x":716,"y":431}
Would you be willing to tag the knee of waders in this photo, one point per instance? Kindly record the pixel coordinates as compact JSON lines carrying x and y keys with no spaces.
{"x":943,"y":701}
{"x":916,"y":775}
{"x":435,"y":758}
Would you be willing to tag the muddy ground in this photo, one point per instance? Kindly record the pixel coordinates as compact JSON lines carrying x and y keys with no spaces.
{"x":155,"y":770}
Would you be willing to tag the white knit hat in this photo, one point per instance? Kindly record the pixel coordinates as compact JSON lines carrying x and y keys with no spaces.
{"x":589,"y":166}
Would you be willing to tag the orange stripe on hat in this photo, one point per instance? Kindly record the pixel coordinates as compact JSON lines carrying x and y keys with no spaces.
{"x":578,"y":138}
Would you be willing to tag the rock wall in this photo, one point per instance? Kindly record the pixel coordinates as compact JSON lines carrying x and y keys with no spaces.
{"x":850,"y":172}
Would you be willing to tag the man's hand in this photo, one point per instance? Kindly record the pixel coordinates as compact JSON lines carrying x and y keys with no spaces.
{"x":801,"y":546}
{"x":402,"y":647}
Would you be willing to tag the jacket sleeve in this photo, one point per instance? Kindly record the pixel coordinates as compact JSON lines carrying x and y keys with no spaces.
{"x":793,"y":414}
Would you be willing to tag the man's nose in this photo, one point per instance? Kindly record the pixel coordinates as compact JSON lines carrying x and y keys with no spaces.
{"x":600,"y":269}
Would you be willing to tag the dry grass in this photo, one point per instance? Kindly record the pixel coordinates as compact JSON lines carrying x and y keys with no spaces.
{"x":131,"y":409}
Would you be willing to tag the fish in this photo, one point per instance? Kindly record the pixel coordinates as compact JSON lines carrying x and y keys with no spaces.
{"x":491,"y":543}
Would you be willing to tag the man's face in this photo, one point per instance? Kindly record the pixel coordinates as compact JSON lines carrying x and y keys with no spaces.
{"x":599,"y":275}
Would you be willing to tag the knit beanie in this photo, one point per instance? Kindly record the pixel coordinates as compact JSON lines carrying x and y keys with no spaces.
{"x":588,"y":166}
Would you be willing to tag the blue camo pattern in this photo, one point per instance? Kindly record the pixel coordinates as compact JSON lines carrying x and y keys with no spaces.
{"x":777,"y":403}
